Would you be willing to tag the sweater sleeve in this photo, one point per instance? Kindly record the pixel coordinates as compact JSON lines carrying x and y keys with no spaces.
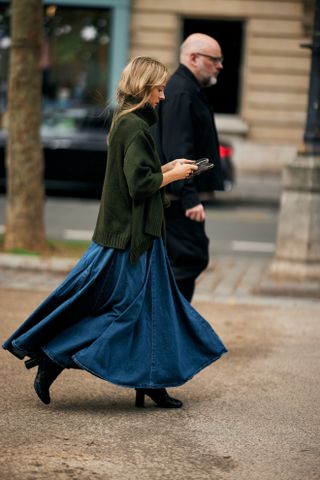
{"x":142,"y":168}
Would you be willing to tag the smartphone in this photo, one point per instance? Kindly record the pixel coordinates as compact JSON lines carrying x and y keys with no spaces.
{"x":202,"y":161}
{"x":203,"y":165}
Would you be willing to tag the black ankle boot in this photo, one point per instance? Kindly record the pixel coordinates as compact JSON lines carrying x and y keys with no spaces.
{"x":159,"y":395}
{"x":48,"y":371}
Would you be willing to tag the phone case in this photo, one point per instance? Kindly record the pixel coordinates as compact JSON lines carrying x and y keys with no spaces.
{"x":203,"y":166}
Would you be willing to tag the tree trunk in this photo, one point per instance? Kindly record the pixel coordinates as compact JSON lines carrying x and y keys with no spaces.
{"x":24,"y":156}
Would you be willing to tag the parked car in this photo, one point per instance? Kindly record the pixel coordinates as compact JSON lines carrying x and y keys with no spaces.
{"x":228,"y":170}
{"x":75,"y":152}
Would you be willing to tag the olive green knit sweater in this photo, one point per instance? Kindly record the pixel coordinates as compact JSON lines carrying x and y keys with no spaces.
{"x":131,"y":208}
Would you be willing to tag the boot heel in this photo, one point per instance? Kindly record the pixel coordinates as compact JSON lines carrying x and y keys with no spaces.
{"x":32,"y":362}
{"x":48,"y":371}
{"x":139,"y":399}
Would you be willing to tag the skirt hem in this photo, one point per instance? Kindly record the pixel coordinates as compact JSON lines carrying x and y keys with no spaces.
{"x":17,"y":351}
{"x":152,"y":385}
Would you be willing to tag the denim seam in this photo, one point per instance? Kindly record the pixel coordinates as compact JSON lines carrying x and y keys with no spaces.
{"x":99,"y":295}
{"x":153,"y":310}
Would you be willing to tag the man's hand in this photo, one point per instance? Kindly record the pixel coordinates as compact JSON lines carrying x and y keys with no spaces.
{"x":196,"y":213}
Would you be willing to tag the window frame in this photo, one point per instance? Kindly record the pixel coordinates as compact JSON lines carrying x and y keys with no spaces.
{"x":119,"y":34}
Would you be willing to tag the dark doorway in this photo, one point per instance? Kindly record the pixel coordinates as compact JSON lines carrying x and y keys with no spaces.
{"x":224,"y":96}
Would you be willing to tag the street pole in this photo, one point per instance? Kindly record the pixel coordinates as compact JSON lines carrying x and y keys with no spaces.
{"x":297,"y":254}
{"x":312,"y":130}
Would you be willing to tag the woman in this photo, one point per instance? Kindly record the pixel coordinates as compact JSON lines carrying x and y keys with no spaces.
{"x":119,"y":314}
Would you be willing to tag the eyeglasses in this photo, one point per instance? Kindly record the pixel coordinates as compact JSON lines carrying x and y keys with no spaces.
{"x":215,"y":60}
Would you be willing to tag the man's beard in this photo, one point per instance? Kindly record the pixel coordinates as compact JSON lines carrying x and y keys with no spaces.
{"x":209,"y":81}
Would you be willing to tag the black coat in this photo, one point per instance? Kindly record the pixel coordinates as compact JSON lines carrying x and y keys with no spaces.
{"x":186,"y":129}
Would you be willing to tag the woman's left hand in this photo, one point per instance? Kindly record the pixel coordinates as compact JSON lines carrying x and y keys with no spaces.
{"x":170,"y":165}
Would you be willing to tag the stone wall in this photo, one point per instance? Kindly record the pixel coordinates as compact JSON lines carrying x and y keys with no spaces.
{"x":275,"y":68}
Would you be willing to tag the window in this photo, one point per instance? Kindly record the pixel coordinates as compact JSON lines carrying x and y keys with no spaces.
{"x":74,"y":59}
{"x":224,"y":96}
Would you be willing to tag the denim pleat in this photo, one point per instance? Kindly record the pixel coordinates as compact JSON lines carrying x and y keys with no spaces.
{"x":125,"y":323}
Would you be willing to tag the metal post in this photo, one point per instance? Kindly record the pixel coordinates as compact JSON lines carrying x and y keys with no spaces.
{"x":312,"y":129}
{"x":297,"y":254}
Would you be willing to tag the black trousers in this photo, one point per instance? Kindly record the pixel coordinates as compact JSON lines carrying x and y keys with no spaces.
{"x":187,"y":246}
{"x":186,"y":287}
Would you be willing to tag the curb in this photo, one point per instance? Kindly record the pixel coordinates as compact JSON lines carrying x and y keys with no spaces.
{"x":29,"y":262}
{"x":288,"y":289}
{"x":265,"y":287}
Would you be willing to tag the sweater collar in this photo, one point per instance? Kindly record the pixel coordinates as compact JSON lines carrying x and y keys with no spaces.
{"x":148,"y":114}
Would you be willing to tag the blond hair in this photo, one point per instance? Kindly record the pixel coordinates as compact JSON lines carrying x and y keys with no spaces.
{"x":138,"y":78}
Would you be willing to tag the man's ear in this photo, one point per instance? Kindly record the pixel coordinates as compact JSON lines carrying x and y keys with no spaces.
{"x":193,"y":57}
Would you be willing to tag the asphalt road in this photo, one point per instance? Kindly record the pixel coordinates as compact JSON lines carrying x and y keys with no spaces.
{"x":231,"y":226}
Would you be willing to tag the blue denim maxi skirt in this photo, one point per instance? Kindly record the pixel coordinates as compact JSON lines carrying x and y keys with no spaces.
{"x":125,"y":323}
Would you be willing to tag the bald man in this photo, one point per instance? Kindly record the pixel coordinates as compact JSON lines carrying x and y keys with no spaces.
{"x":186,"y":129}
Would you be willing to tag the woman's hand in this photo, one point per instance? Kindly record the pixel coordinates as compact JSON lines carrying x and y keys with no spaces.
{"x":182,"y":168}
{"x":178,"y":169}
{"x":170,"y":165}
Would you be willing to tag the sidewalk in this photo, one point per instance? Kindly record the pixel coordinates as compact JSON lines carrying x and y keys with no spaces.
{"x":252,"y":415}
{"x":247,"y":280}
{"x":236,"y":279}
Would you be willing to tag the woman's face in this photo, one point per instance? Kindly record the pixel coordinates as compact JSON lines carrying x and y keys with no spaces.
{"x":157,"y":94}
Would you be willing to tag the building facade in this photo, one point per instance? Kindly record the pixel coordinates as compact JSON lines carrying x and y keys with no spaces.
{"x":266,"y":121}
{"x":261,"y":96}
{"x":85,"y":48}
